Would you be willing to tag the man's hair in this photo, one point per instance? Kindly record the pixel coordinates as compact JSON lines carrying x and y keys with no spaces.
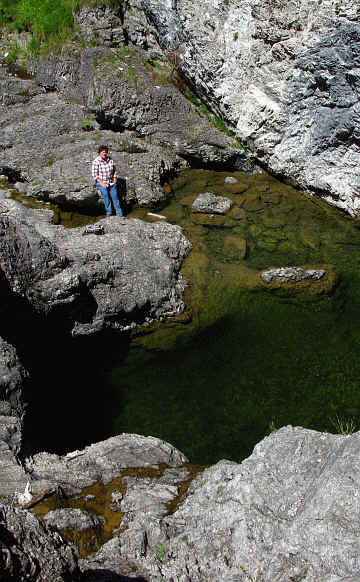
{"x":103,"y":147}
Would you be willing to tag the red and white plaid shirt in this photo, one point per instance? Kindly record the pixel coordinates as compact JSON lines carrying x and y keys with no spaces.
{"x":105,"y":170}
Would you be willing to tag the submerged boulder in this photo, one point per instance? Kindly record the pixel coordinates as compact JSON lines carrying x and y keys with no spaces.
{"x":74,"y":519}
{"x":210,"y":204}
{"x":289,"y":274}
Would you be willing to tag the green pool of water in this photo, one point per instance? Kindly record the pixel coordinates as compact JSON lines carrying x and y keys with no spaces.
{"x":242,"y":360}
{"x":248,"y":360}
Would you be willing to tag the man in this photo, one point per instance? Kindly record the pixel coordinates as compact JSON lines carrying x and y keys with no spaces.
{"x":105,"y":176}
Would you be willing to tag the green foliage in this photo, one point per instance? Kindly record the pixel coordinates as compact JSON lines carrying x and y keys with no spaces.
{"x":51,"y":22}
{"x":87,"y":125}
{"x":13,"y":54}
{"x":161,"y":552}
{"x":343,"y":425}
{"x":41,"y":17}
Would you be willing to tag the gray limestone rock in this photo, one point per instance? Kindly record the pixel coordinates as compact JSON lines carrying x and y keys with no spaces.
{"x":108,"y":565}
{"x":31,"y":551}
{"x":210,"y":204}
{"x":230,"y":180}
{"x":102,"y":461}
{"x":12,"y":377}
{"x":94,"y":229}
{"x":115,"y":280}
{"x":101,"y":24}
{"x":14,"y":90}
{"x":291,"y":274}
{"x":288,"y":512}
{"x":75,"y":519}
{"x":13,"y":478}
{"x":284,"y":75}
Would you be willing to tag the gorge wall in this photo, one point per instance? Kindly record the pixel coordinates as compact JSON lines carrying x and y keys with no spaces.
{"x":284,"y":75}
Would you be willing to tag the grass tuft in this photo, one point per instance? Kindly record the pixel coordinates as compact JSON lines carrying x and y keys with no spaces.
{"x":343,"y":425}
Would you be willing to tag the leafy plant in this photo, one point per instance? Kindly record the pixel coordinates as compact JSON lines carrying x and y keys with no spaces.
{"x":87,"y":125}
{"x":161,"y":552}
{"x":13,"y":54}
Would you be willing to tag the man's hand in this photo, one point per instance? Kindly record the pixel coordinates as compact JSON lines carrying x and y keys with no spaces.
{"x":101,"y":182}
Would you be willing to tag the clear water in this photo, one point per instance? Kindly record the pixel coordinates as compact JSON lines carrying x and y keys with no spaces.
{"x":249,"y":360}
{"x":242,"y":360}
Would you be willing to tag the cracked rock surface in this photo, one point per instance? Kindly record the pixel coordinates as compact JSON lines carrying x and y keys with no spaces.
{"x":29,"y":550}
{"x":288,"y":512}
{"x":284,"y":74}
{"x":102,"y":461}
{"x":126,"y":275}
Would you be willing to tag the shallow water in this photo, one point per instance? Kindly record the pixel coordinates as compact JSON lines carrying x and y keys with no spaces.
{"x":241,"y":360}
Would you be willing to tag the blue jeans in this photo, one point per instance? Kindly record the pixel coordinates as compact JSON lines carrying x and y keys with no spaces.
{"x":107,"y":193}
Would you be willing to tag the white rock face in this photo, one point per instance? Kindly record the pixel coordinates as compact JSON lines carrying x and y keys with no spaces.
{"x":284,"y":74}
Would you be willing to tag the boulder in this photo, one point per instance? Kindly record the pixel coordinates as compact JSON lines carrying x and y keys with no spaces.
{"x":103,"y":461}
{"x":291,"y":274}
{"x":74,"y":519}
{"x":288,"y":512}
{"x":125,"y":276}
{"x":13,"y":478}
{"x":208,"y":203}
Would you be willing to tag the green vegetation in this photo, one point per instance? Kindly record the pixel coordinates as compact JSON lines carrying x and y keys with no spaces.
{"x":50,"y":22}
{"x":344,"y":426}
{"x":161,"y":552}
{"x":88,"y":125}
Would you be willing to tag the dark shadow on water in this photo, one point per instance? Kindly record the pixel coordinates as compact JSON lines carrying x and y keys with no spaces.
{"x":67,"y":402}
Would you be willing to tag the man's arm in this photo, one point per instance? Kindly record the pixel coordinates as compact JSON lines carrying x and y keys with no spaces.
{"x":114,"y":177}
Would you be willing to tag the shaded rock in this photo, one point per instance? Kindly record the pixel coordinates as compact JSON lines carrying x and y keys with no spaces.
{"x":14,"y":90}
{"x":74,"y":519}
{"x":289,"y":274}
{"x":29,"y":550}
{"x":12,"y":377}
{"x":13,"y":478}
{"x":211,"y":204}
{"x":102,"y":461}
{"x":108,"y":565}
{"x":101,"y":24}
{"x":125,"y":90}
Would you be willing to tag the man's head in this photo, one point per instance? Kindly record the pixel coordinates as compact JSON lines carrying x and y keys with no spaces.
{"x":103,"y":152}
